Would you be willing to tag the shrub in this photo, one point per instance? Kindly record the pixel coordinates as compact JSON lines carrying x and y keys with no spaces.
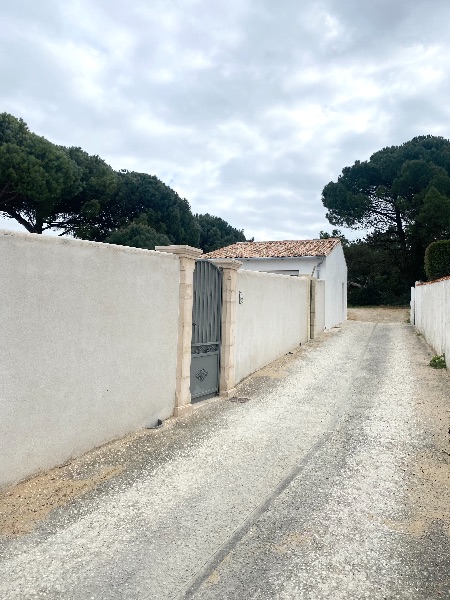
{"x":438,"y":362}
{"x":437,"y":259}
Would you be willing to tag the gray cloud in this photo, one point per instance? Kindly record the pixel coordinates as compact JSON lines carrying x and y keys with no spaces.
{"x":247,"y":109}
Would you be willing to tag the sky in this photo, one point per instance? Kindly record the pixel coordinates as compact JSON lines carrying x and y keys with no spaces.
{"x":247,"y":108}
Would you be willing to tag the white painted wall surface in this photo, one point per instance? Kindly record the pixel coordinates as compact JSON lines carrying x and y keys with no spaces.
{"x":320,"y":307}
{"x":272,"y":320}
{"x":88,"y":347}
{"x":432,"y":315}
{"x":302,"y":266}
{"x":334,"y":271}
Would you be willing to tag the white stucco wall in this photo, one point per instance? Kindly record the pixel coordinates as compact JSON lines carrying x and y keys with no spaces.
{"x":272,"y":320}
{"x":432,"y":315}
{"x":88,"y":346}
{"x":300,"y":266}
{"x":319,"y":308}
{"x":334,"y":271}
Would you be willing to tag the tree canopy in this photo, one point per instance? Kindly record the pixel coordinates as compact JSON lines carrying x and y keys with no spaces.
{"x":45,"y":186}
{"x":401,"y":195}
{"x":138,"y":195}
{"x":138,"y":235}
{"x":387,"y":192}
{"x":37,"y":178}
{"x":216,"y":233}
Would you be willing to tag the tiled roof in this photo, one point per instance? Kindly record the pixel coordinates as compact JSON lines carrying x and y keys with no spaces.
{"x":276,"y":249}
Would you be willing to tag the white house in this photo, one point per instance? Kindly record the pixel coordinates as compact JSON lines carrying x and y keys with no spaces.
{"x":322,"y":259}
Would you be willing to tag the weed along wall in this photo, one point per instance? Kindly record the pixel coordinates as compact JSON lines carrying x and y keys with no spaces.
{"x":88,"y":347}
{"x":431,"y":303}
{"x":271,"y":318}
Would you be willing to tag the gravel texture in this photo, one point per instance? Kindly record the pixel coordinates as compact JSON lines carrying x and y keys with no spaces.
{"x":331,"y":481}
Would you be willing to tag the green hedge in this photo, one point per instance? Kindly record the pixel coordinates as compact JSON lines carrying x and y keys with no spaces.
{"x":437,"y":259}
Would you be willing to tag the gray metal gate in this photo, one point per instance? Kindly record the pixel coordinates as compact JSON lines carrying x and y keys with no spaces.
{"x":206,"y":330}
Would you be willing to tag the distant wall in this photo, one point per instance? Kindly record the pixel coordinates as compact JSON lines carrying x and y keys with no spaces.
{"x":334,"y":271}
{"x":88,"y":346}
{"x":431,"y":303}
{"x":412,"y":308}
{"x":271,"y":320}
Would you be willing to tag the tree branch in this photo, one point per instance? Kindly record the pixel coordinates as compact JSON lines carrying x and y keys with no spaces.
{"x":28,"y":226}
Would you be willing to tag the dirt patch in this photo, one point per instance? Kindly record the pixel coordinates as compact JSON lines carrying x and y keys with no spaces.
{"x":430,"y":476}
{"x":23,"y":505}
{"x":291,"y":541}
{"x":428,"y":468}
{"x":379,"y":314}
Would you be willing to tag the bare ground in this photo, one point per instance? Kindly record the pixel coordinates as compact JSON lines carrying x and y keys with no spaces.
{"x":379,"y":314}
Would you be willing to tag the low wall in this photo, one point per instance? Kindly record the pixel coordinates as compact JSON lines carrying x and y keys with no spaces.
{"x":88,"y":347}
{"x":431,"y":303}
{"x":271,"y":318}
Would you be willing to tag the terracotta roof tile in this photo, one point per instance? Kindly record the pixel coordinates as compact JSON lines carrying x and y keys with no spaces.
{"x":276,"y":249}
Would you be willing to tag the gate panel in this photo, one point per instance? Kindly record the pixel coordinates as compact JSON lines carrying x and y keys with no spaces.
{"x":206,"y":330}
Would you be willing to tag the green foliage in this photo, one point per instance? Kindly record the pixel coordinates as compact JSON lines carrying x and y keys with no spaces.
{"x":93,"y":202}
{"x":138,"y":235}
{"x":139,"y":195}
{"x":401,"y":194}
{"x":37,"y":178}
{"x":388,"y":191}
{"x":216,"y":233}
{"x":437,"y":259}
{"x":438,"y":362}
{"x":335,"y":234}
{"x":375,"y":277}
{"x":45,"y":186}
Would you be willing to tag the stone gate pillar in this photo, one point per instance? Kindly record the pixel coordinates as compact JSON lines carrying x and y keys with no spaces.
{"x":187,"y":256}
{"x":229,"y":268}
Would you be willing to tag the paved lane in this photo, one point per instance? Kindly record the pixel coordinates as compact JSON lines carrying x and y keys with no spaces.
{"x":311,"y":489}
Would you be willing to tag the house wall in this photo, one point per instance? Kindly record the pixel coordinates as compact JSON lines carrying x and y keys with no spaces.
{"x":88,"y":347}
{"x":297,"y":266}
{"x":334,"y":271}
{"x":431,"y":304}
{"x":271,"y":320}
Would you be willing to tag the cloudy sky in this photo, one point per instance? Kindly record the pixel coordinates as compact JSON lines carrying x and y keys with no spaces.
{"x":247,"y":108}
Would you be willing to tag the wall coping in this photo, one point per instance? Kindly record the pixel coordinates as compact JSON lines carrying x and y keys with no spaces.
{"x":419,"y":283}
{"x":52,"y":240}
{"x":226,"y":263}
{"x":182,"y":251}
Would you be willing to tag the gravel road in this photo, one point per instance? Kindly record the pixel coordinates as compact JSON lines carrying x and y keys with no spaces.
{"x":330,"y":479}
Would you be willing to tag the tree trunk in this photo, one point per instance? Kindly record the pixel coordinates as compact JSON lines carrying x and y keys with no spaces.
{"x":30,"y":227}
{"x":400,"y":230}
